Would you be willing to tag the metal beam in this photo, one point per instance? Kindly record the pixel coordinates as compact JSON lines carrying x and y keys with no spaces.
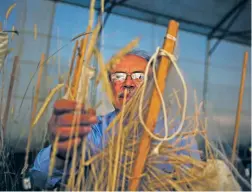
{"x":108,"y":11}
{"x":226,"y":17}
{"x":85,"y":4}
{"x":180,"y":20}
{"x":231,"y":22}
{"x":237,"y":33}
{"x":182,"y":28}
{"x":114,"y":3}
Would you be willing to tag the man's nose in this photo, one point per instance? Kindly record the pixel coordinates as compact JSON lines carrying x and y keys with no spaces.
{"x":129,"y":83}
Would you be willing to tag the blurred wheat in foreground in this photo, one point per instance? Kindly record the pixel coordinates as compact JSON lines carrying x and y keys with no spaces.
{"x":111,"y":167}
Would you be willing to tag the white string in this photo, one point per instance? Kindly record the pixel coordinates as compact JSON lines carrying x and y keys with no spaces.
{"x":153,"y":60}
{"x":173,"y":60}
{"x":169,"y":36}
{"x":156,"y":150}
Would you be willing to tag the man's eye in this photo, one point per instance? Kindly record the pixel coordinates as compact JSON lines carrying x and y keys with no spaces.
{"x":118,"y":77}
{"x":139,"y":76}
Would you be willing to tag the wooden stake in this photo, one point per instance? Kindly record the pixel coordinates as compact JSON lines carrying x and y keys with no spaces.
{"x":1,"y":26}
{"x":72,"y":64}
{"x":239,"y":106}
{"x":164,"y":67}
{"x":12,"y":80}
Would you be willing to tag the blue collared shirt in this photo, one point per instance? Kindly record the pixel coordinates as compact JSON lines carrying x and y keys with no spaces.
{"x":40,"y":169}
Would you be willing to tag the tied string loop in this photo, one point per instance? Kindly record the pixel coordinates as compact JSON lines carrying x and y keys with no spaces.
{"x":153,"y":61}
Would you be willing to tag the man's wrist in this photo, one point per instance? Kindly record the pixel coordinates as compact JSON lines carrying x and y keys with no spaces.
{"x":59,"y":159}
{"x":63,"y":158}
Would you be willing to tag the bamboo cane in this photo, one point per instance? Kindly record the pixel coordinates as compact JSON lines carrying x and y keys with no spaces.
{"x":78,"y":69}
{"x":7,"y":107}
{"x":74,"y":90}
{"x":2,"y":94}
{"x":239,"y":106}
{"x":72,"y":64}
{"x":74,"y":84}
{"x":164,"y":67}
{"x":1,"y":108}
{"x":79,"y":93}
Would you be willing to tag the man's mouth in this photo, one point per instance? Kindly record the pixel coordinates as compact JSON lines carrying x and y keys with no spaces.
{"x":128,"y":96}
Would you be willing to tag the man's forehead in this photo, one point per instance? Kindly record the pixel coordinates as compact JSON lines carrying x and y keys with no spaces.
{"x":130,"y":63}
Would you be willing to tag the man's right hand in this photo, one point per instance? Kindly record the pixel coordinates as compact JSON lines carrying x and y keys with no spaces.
{"x":61,"y":123}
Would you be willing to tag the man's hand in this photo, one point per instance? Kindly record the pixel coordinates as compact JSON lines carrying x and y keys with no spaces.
{"x":61,"y":123}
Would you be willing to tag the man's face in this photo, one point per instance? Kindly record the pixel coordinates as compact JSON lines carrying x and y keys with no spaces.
{"x":128,"y":75}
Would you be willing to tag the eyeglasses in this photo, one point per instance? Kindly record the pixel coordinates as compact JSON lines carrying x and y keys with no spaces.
{"x":120,"y":76}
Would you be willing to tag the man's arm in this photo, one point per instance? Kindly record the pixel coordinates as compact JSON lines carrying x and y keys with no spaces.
{"x":39,"y":171}
{"x":61,"y":123}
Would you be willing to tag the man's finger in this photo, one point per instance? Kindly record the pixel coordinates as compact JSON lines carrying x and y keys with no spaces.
{"x":91,"y":111}
{"x":63,"y":106}
{"x":65,"y":132}
{"x":72,"y":119}
{"x":63,"y":146}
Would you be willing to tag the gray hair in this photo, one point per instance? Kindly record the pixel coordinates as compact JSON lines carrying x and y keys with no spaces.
{"x":140,"y":53}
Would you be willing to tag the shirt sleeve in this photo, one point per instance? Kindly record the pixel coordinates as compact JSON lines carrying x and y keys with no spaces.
{"x":39,"y":171}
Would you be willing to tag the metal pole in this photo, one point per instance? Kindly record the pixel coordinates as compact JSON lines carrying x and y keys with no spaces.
{"x":206,"y":71}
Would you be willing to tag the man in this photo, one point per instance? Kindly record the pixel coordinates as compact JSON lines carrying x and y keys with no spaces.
{"x":128,"y":75}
